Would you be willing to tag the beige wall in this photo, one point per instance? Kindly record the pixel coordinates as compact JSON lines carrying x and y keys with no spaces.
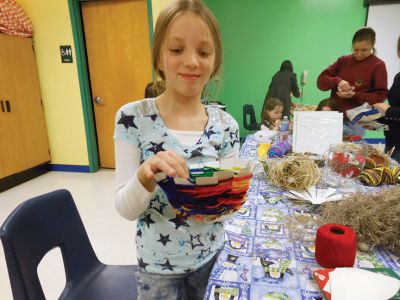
{"x":156,"y":7}
{"x":59,"y":82}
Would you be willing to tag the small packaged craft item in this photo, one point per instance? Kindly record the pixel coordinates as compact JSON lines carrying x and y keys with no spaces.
{"x":352,"y":138}
{"x":363,"y":113}
{"x":365,"y":116}
{"x":262,"y":150}
{"x":348,"y":159}
{"x":208,"y":193}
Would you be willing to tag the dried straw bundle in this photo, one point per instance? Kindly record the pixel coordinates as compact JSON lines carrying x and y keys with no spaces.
{"x":294,"y":173}
{"x":375,"y":217}
{"x":350,"y":147}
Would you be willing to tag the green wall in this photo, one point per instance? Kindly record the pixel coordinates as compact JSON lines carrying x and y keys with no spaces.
{"x":259,"y":34}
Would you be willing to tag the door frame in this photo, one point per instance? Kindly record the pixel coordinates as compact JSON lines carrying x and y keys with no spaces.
{"x":83,"y":76}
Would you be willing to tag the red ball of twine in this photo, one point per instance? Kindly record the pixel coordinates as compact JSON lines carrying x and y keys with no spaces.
{"x":335,"y":246}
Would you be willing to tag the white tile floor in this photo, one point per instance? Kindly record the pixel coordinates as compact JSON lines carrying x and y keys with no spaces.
{"x":112,"y":237}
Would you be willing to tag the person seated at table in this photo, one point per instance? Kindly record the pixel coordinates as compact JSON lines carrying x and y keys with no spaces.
{"x":272,"y":114}
{"x":330,"y":104}
{"x":154,"y":89}
{"x":327,"y":104}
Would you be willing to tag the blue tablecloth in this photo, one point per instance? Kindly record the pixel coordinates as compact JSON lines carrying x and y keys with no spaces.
{"x":261,"y":259}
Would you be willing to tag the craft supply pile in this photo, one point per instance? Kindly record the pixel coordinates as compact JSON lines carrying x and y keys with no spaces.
{"x":354,"y":188}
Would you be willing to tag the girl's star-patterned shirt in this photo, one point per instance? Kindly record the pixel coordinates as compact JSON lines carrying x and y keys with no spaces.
{"x":167,"y":243}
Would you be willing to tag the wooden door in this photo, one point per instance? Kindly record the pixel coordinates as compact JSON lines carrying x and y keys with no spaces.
{"x":24,"y":142}
{"x":5,"y":94}
{"x":9,"y":144}
{"x":118,"y":49}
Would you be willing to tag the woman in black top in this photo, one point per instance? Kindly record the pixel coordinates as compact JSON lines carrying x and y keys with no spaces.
{"x":283,"y":84}
{"x":392,"y":114}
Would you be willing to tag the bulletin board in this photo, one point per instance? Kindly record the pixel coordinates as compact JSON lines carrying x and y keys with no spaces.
{"x":385,"y":20}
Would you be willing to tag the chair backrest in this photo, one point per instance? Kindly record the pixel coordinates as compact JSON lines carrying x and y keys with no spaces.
{"x":248,"y":111}
{"x":34,"y":228}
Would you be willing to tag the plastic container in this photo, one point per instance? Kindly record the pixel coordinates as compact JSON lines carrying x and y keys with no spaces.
{"x":284,"y":130}
{"x":348,"y":159}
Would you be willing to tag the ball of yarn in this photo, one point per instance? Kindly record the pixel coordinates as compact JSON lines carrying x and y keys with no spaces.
{"x":379,"y":176}
{"x":335,"y":246}
{"x":396,"y":174}
{"x":279,"y":149}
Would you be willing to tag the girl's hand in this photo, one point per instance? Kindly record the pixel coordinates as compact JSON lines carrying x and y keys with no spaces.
{"x":165,"y":161}
{"x":276,"y":125}
{"x":346,"y":95}
{"x":382,"y":107}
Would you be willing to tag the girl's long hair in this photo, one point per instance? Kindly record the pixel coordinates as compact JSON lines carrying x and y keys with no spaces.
{"x":270,"y":104}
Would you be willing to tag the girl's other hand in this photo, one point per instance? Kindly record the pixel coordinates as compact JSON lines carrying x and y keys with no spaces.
{"x":344,"y":86}
{"x":382,"y":107}
{"x":165,"y":161}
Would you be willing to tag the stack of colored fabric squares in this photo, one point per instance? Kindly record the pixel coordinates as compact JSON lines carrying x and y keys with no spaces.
{"x":208,"y":193}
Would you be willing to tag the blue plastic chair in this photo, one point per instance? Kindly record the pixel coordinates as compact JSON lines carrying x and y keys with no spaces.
{"x":248,"y":111}
{"x":52,"y":220}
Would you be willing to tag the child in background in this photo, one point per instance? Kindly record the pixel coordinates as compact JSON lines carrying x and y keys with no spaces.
{"x":272,"y":114}
{"x":327,"y":104}
{"x":164,"y":134}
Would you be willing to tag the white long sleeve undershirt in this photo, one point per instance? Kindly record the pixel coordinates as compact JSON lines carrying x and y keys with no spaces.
{"x":131,"y":197}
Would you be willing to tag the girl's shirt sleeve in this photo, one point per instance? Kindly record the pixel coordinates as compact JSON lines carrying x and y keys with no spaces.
{"x":131,"y":198}
{"x":328,"y":79}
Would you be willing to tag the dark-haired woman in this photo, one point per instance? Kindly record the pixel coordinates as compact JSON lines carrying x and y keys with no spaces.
{"x":356,"y":78}
{"x":283,"y":84}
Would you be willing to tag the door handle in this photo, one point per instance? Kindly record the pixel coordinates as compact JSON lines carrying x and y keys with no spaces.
{"x":98,"y":100}
{"x":8,"y":106}
{"x":2,"y":106}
